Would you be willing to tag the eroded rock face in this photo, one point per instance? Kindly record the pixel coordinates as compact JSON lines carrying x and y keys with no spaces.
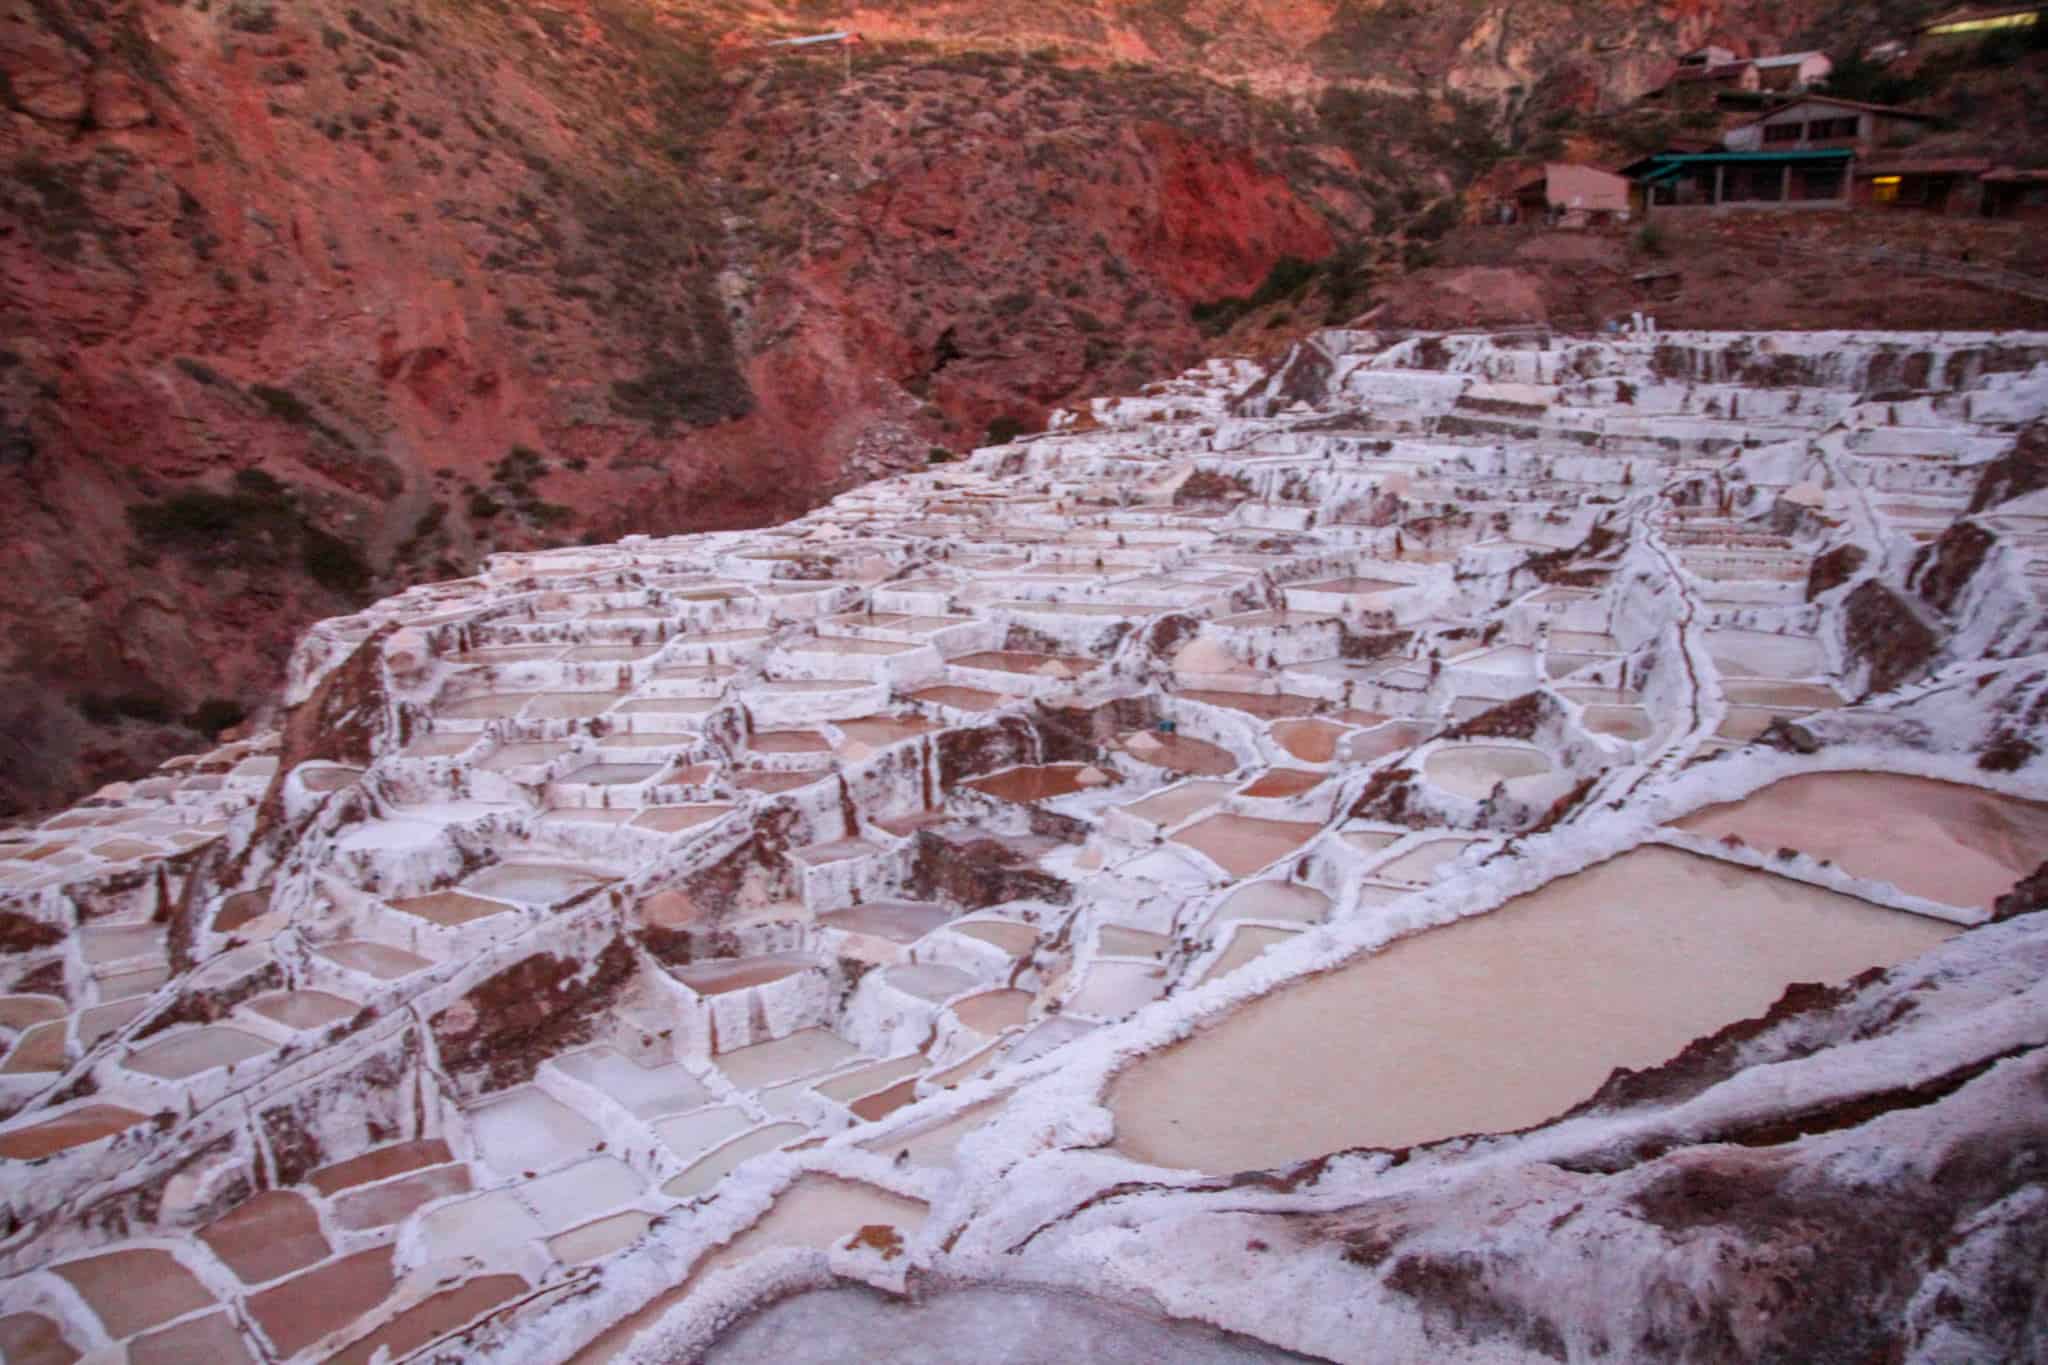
{"x":500,"y":1032}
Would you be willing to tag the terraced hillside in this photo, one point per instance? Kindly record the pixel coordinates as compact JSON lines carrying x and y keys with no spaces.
{"x":1257,"y":869}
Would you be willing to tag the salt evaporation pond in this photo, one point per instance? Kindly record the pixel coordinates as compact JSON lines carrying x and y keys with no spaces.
{"x":1952,"y":844}
{"x":1471,"y":770}
{"x":987,"y":1326}
{"x":1501,"y":1021}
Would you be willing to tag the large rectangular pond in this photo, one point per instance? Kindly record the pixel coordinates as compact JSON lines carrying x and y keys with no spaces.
{"x":1498,"y":1022}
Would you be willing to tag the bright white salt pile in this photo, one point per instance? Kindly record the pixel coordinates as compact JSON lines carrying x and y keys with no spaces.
{"x":1501,"y":1021}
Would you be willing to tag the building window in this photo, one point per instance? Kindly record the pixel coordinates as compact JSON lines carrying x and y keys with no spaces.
{"x":1781,"y":132}
{"x":1884,"y":189}
{"x":1828,"y":129}
{"x":1817,"y":182}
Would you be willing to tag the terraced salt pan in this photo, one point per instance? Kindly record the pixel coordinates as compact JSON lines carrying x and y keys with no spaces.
{"x":530,"y":1130}
{"x":898,"y":921}
{"x":1418,"y":865}
{"x":678,"y":819}
{"x":305,"y":1009}
{"x":1264,"y":705}
{"x":644,"y":1092}
{"x":1951,"y":844}
{"x":1472,"y":770}
{"x":87,"y":1123}
{"x":929,"y":980}
{"x":693,"y":1134}
{"x":375,"y":959}
{"x":188,"y":1052}
{"x":993,"y":1011}
{"x":1274,"y":900}
{"x":1177,"y":803}
{"x":1012,"y":937}
{"x":533,"y":883}
{"x":450,"y":908}
{"x":1758,"y":654}
{"x":595,"y":1241}
{"x":722,"y":976}
{"x":1500,"y":1021}
{"x":803,"y":1053}
{"x":986,"y":1325}
{"x":1026,"y":785}
{"x":1311,"y":741}
{"x":1241,"y":845}
{"x":700,"y":1178}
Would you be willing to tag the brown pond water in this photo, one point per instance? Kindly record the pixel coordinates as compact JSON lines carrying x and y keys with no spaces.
{"x":1010,"y":936}
{"x":1494,"y":1023}
{"x":1264,"y":705}
{"x":450,"y":908}
{"x":1284,"y":782}
{"x":960,"y":698}
{"x":1949,"y":843}
{"x":87,"y":1123}
{"x":1180,"y":753}
{"x":723,"y":976}
{"x":1311,"y":741}
{"x":897,"y":921}
{"x":1025,"y":785}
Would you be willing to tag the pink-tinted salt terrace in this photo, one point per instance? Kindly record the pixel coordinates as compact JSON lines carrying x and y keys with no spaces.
{"x":267,"y":1235}
{"x":1311,"y":741}
{"x":1019,"y":661}
{"x":381,"y":1163}
{"x":789,"y":742}
{"x":677,"y":819}
{"x":1953,"y":844}
{"x":32,"y":1339}
{"x":1025,"y":785}
{"x":1284,"y":782}
{"x":1264,"y":705}
{"x":725,"y":975}
{"x":238,"y":909}
{"x":1241,"y":845}
{"x":308,"y":1307}
{"x":375,"y":959}
{"x":898,"y":921}
{"x":877,"y":731}
{"x":960,"y":698}
{"x":431,"y":1319}
{"x":993,"y":1011}
{"x":450,"y":908}
{"x":188,"y":1052}
{"x":1180,"y":753}
{"x":380,"y":1205}
{"x":136,"y":1289}
{"x":211,"y":1340}
{"x":771,"y":783}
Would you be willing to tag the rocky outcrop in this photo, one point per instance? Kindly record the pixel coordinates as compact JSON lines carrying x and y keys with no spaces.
{"x":321,"y":304}
{"x":1886,"y":636}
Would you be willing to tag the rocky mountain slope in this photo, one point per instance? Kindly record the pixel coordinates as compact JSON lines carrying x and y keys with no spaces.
{"x":308,"y":301}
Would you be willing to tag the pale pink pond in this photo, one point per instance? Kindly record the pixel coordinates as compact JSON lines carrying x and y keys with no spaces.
{"x":1949,"y":843}
{"x":1501,"y":1021}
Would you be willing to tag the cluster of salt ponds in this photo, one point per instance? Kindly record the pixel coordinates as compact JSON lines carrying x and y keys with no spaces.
{"x":612,"y":718}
